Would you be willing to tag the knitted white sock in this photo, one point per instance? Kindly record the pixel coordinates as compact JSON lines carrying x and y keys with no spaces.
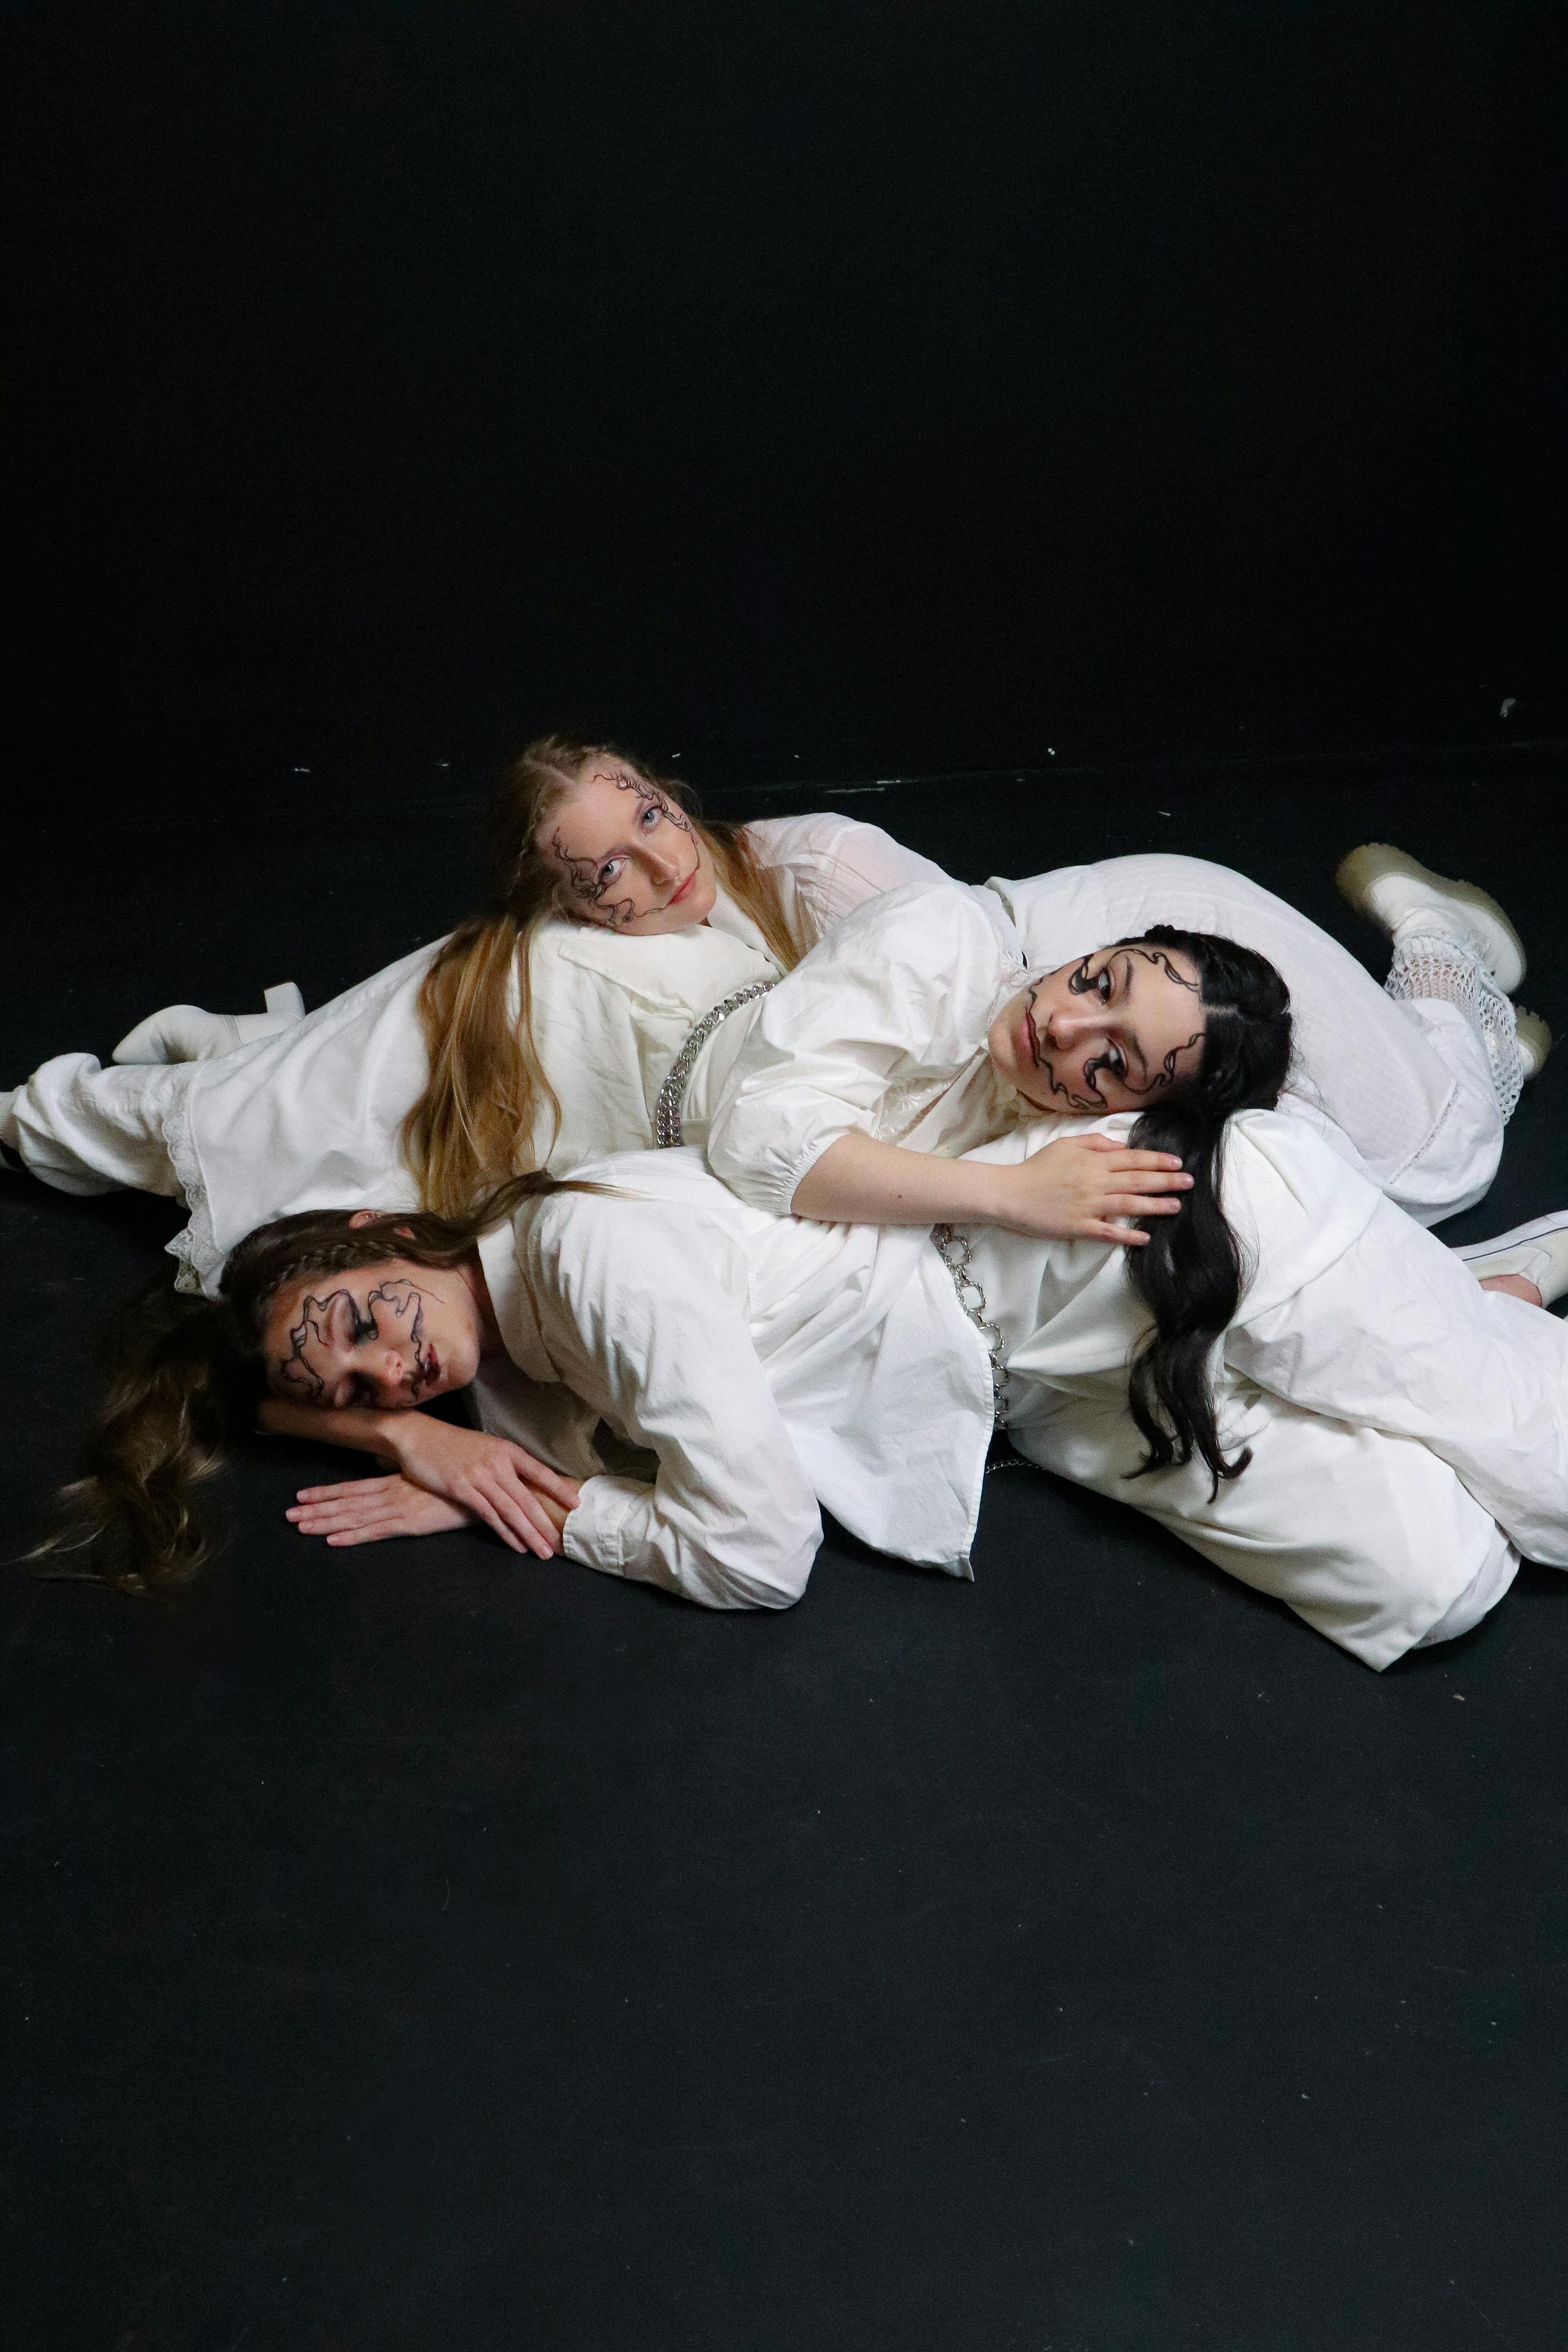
{"x":1437,"y":963}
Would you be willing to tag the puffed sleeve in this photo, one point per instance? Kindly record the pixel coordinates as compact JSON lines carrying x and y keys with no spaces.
{"x":643,"y":1312}
{"x":827,"y":865}
{"x":897,"y":996}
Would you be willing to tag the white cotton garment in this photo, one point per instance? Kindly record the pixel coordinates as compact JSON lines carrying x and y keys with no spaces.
{"x":1407,"y":1427}
{"x":826,"y":866}
{"x":1398,"y":1414}
{"x":769,"y":1364}
{"x":881,"y":1028}
{"x":1408,"y":1083}
{"x":311,"y":1117}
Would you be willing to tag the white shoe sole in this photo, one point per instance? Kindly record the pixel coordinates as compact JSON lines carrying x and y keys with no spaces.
{"x":1534,"y":1039}
{"x":1507,"y":1253}
{"x":1503,"y":949}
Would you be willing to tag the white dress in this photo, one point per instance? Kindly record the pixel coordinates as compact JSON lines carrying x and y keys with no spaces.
{"x":311,"y":1115}
{"x":1409,"y":1431}
{"x":883,"y":1027}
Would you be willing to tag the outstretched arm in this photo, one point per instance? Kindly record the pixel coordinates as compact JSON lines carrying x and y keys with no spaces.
{"x":1069,"y":1192}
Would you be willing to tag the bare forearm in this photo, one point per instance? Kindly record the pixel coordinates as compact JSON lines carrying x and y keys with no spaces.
{"x":861,"y":1182}
{"x":1080,"y":1188}
{"x":356,"y":1425}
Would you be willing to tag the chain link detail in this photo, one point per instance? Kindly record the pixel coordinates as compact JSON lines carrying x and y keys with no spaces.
{"x":955,"y":1250}
{"x":667,"y":1111}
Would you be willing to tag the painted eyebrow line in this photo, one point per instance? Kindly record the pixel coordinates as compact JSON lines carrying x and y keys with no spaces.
{"x":1132,"y":1035}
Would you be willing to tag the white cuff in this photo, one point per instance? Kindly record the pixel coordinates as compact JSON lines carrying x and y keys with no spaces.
{"x":594,"y":1534}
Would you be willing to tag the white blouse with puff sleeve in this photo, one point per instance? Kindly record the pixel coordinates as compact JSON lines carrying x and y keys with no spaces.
{"x":882,"y":1027}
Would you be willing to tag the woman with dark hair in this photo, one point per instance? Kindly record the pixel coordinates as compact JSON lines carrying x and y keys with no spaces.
{"x":919,"y":1030}
{"x":1370,"y":1437}
{"x":879,"y":1038}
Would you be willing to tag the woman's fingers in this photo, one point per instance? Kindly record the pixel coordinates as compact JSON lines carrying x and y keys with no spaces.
{"x":515,"y":1528}
{"x":549,"y":1482}
{"x":372,"y":1507}
{"x":544,"y":1510}
{"x":530,"y":1509}
{"x":1130,"y":1159}
{"x":344,"y":1508}
{"x":376,"y":1531}
{"x":341,"y":1523}
{"x":1150,"y":1179}
{"x":365,"y":1510}
{"x":362,"y":1487}
{"x":516,"y":1516}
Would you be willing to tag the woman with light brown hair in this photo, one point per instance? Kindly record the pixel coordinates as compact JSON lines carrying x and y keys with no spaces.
{"x":581,"y":832}
{"x":537,"y":1035}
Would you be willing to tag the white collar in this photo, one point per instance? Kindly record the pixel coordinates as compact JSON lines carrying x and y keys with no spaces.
{"x":511,"y":1302}
{"x":727,"y":916}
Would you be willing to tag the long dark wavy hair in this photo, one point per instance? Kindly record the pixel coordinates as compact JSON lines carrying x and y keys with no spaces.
{"x":185,"y":1376}
{"x":1190,"y":1272}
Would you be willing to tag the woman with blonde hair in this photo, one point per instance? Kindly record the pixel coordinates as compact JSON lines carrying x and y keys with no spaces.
{"x":538,"y":1034}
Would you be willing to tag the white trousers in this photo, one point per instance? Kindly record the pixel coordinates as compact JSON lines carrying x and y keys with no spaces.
{"x":86,"y":1130}
{"x":1409,"y":1083}
{"x":1409,"y":1436}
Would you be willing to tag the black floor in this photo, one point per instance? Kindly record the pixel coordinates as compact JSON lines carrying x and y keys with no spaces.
{"x":415,"y":1948}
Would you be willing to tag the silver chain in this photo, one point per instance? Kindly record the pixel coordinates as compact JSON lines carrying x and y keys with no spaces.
{"x":955,"y":1249}
{"x":666,"y":1131}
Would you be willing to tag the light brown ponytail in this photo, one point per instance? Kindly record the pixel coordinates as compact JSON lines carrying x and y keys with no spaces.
{"x":478,"y":1117}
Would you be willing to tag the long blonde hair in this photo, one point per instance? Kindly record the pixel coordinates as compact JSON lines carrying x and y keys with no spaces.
{"x":475,"y":1123}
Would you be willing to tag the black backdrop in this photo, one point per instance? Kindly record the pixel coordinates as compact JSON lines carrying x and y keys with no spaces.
{"x":405,"y":1951}
{"x":797,"y":388}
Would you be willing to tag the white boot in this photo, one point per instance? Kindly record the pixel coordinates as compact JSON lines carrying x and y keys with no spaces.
{"x":1391,"y":887}
{"x":1534,"y":1039}
{"x":1538,"y":1252}
{"x":184,"y":1033}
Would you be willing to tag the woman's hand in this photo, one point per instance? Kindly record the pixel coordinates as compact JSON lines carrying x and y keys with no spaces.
{"x":489,"y":1479}
{"x":1065,"y":1193}
{"x":369,"y":1510}
{"x":1070,"y":1190}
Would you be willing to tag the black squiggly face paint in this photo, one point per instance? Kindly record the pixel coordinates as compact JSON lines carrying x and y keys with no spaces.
{"x":628,"y":854}
{"x":1102,"y":1035}
{"x":320,"y":1368}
